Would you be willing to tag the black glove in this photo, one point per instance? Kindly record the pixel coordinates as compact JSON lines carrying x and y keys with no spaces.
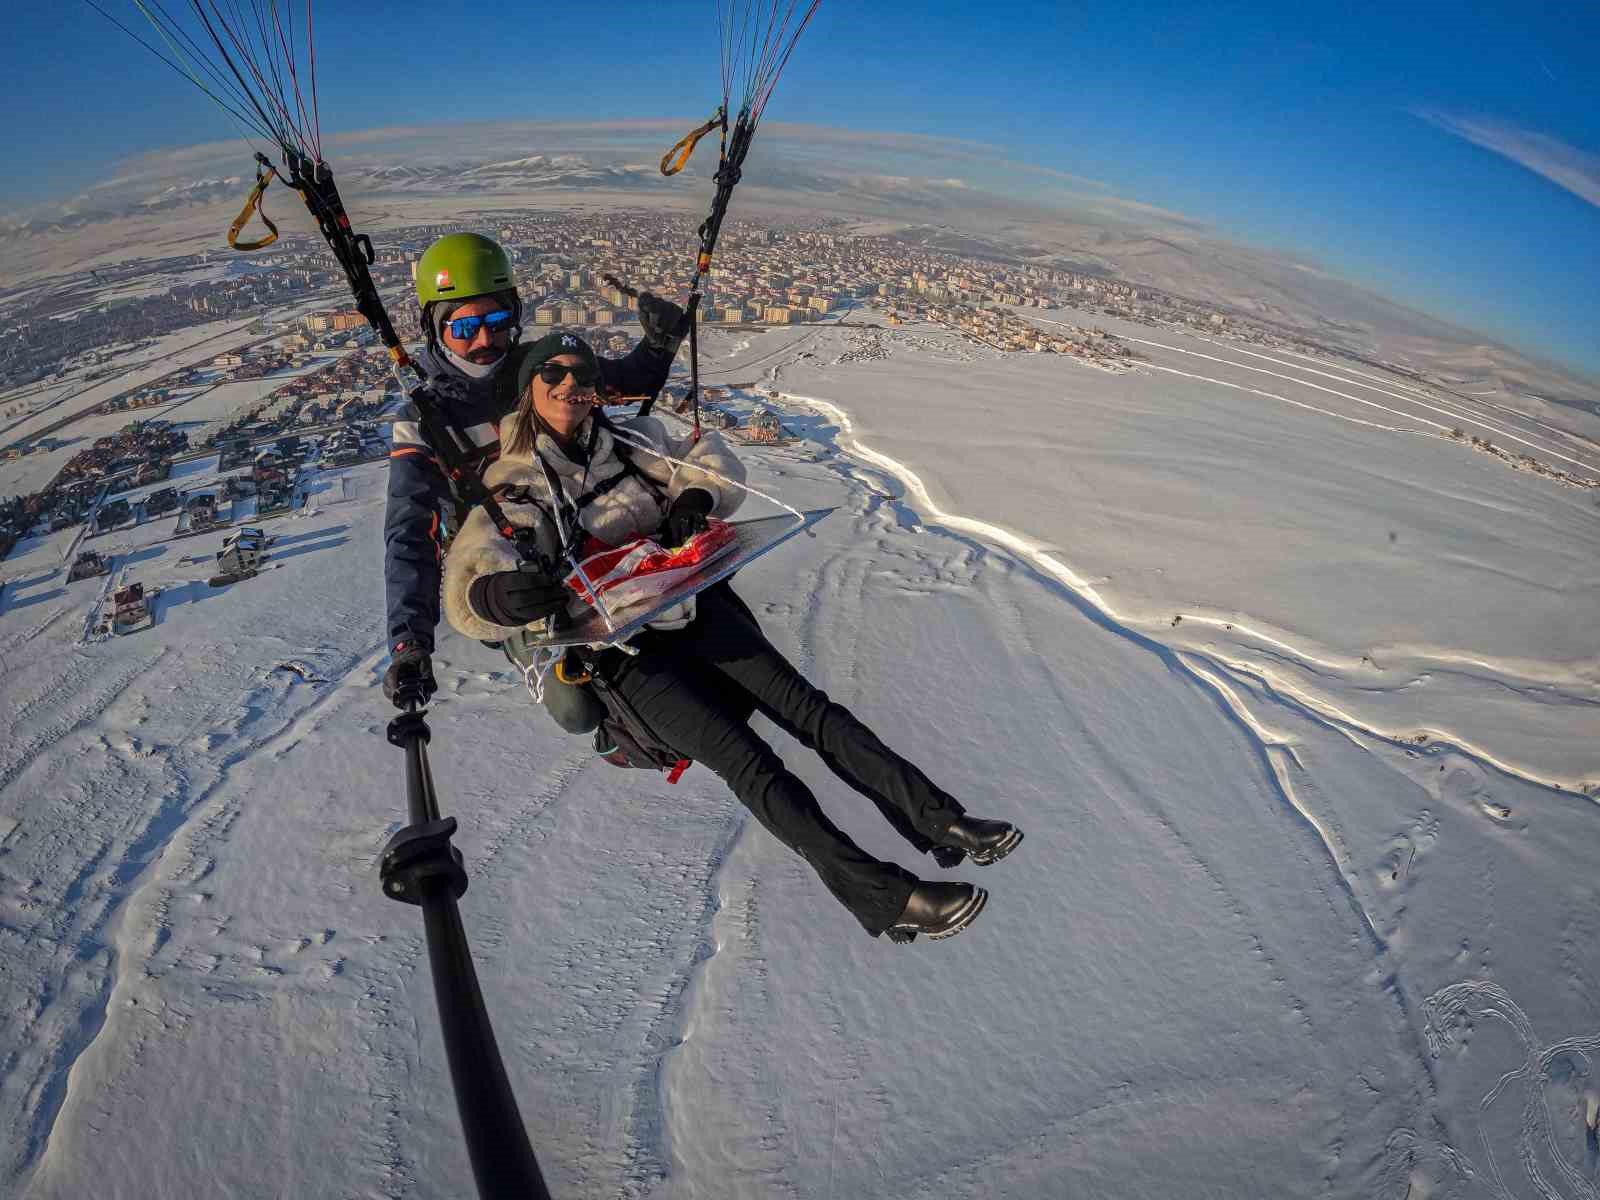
{"x":517,"y":597}
{"x":687,"y":516}
{"x":409,"y":679}
{"x":664,"y":323}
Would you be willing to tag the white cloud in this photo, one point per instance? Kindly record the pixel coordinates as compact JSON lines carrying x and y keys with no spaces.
{"x":1578,"y":171}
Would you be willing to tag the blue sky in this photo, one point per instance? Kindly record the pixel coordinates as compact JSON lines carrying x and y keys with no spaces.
{"x":1447,"y":154}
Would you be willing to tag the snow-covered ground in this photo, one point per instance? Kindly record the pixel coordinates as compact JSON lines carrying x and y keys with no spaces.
{"x":129,"y":369}
{"x":195,"y":408}
{"x":120,"y":369}
{"x":1285,"y":855}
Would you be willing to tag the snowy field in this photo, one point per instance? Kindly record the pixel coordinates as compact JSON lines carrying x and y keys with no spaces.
{"x":133,"y":368}
{"x":226,"y":399}
{"x":193,"y":409}
{"x":50,"y":400}
{"x":1307,"y":905}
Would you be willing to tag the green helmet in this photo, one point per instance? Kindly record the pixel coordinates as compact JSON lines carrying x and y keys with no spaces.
{"x":460,"y":266}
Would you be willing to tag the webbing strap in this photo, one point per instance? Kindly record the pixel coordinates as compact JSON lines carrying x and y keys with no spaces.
{"x":564,"y":676}
{"x":252,"y":204}
{"x":604,"y":487}
{"x":686,"y":144}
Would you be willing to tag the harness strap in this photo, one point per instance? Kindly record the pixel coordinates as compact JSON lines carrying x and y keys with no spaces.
{"x":686,"y":144}
{"x":604,"y":487}
{"x":625,"y":716}
{"x":619,"y":446}
{"x":630,"y":470}
{"x":464,"y":479}
{"x":583,"y":676}
{"x":516,"y":493}
{"x":253,"y":204}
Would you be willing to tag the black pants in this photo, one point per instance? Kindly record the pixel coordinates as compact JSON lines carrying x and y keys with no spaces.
{"x":697,"y":686}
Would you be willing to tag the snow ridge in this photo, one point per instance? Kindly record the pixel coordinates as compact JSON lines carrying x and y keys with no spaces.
{"x":1054,"y":567}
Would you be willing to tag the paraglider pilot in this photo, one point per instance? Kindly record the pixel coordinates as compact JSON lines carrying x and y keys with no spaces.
{"x":471,"y":322}
{"x":698,"y":675}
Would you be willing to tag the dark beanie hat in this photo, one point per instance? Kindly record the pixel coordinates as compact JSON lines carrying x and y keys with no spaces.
{"x":530,"y":356}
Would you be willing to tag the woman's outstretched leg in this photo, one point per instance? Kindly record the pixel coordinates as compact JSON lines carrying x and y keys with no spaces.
{"x":726,"y":638}
{"x":681,"y":705}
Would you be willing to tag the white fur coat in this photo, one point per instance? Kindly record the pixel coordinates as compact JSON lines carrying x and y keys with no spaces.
{"x":627,"y":511}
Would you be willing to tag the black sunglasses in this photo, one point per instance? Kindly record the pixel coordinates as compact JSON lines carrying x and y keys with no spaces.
{"x":582,"y":373}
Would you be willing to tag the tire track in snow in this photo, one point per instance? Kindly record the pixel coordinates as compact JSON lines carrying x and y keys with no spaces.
{"x":1326,"y":412}
{"x":1329,"y":715}
{"x":750,"y":973}
{"x":1499,"y":431}
{"x":70,"y":968}
{"x":690,"y":994}
{"x":1051,"y":1150}
{"x":1273,"y":749}
{"x":393,"y":1017}
{"x":516,"y":830}
{"x":83,"y":712}
{"x":1419,"y":396}
{"x":385,"y":998}
{"x":66,"y":681}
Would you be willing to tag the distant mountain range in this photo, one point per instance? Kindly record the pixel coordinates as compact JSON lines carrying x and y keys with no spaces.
{"x":537,"y":172}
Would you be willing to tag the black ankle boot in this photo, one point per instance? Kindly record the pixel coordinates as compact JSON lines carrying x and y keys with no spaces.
{"x":939,"y":910}
{"x":983,"y":841}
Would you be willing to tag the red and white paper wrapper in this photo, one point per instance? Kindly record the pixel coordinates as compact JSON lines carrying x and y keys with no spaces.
{"x":642,"y":570}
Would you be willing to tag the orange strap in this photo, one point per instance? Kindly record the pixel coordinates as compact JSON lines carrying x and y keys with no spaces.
{"x":252,"y":204}
{"x":686,"y":145}
{"x":571,"y":680}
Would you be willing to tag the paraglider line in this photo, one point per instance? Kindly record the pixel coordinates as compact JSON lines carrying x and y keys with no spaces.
{"x":311,"y":51}
{"x":244,"y":120}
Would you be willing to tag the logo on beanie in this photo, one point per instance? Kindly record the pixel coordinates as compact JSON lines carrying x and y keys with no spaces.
{"x":569,"y":340}
{"x":443,"y":282}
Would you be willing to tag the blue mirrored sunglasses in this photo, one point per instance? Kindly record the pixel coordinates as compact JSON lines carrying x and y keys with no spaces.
{"x":466,"y":328}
